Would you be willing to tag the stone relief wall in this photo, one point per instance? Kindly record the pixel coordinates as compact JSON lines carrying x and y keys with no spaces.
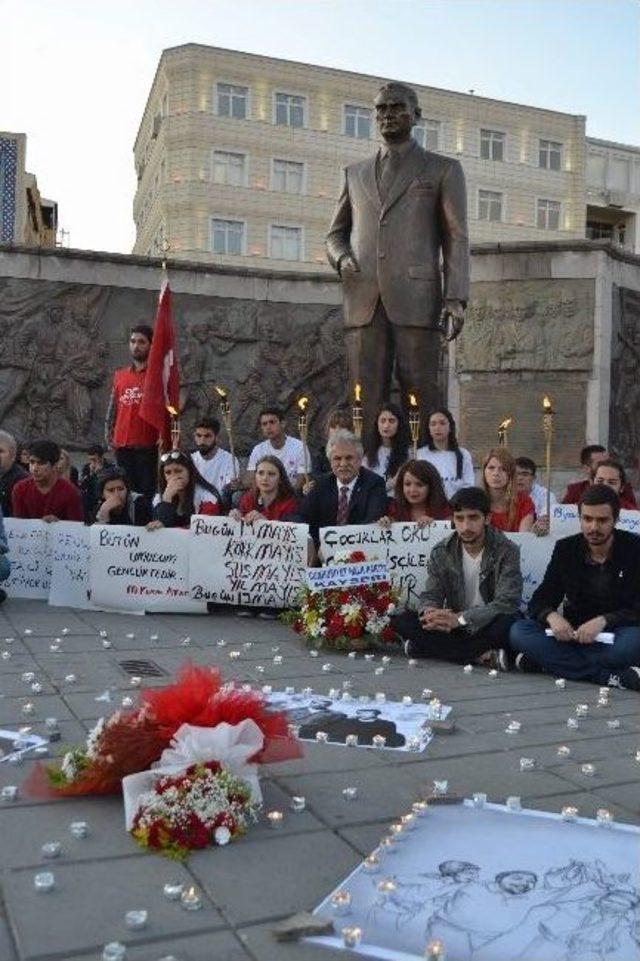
{"x":60,"y":343}
{"x":624,"y":408}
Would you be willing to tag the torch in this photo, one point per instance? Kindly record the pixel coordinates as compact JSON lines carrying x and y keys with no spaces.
{"x":225,"y":410}
{"x":414,"y":423}
{"x":502,"y":431}
{"x":175,"y":427}
{"x":356,"y":411}
{"x":547,"y":428}
{"x":302,"y":430}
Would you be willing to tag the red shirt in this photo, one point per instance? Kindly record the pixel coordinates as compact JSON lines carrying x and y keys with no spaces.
{"x":129,"y":429}
{"x":575,"y":491}
{"x":443,"y":514}
{"x":524,"y":507}
{"x":62,"y":501}
{"x":276,"y":511}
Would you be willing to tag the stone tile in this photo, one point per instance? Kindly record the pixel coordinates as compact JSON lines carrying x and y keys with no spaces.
{"x":326,"y":757}
{"x":626,"y":795}
{"x":87,"y":907}
{"x":241,"y":878}
{"x":276,"y":798}
{"x":217,"y":946}
{"x":7,"y":950}
{"x":44,"y":705}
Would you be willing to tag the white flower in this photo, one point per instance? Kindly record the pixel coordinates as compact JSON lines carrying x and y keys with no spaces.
{"x":68,"y":766}
{"x":222,"y":835}
{"x":391,"y":608}
{"x":93,"y":738}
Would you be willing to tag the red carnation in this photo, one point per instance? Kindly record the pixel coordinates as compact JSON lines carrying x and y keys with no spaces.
{"x":355,"y":629}
{"x":388,"y":635}
{"x":357,"y":557}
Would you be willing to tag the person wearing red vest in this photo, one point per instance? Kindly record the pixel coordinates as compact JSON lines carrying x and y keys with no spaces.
{"x":134,"y":441}
{"x":44,"y":494}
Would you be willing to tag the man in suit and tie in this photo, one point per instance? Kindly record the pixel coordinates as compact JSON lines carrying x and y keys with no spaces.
{"x":400,"y":213}
{"x":350,"y":494}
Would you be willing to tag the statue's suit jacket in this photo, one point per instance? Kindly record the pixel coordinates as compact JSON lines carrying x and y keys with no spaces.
{"x":398,"y":242}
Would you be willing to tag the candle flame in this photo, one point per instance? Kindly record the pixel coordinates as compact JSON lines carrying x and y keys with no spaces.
{"x":412,"y":400}
{"x":191,"y":892}
{"x":546,"y":403}
{"x":172,"y":410}
{"x":357,"y":392}
{"x":506,"y":423}
{"x":221,"y":391}
{"x":302,"y":403}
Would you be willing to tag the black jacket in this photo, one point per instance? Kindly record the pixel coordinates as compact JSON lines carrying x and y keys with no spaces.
{"x":564,"y":581}
{"x":368,"y":502}
{"x":15,"y":473}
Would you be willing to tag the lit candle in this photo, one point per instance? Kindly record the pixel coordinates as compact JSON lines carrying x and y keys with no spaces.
{"x":322,"y":737}
{"x":225,"y":410}
{"x":564,"y":750}
{"x":275,"y":819}
{"x":350,"y":793}
{"x":174,"y":427}
{"x":435,"y":951}
{"x":341,"y":902}
{"x":407,"y":700}
{"x":302,"y":430}
{"x":356,"y":411}
{"x":420,"y":808}
{"x":351,"y":936}
{"x":479,"y":799}
{"x":191,"y":900}
{"x":379,"y":740}
{"x":468,"y":669}
{"x":414,"y":424}
{"x":502,"y":431}
{"x":588,"y":769}
{"x":547,"y":428}
{"x":351,"y":740}
{"x":560,"y":683}
{"x":569,"y":812}
{"x":604,"y":817}
{"x":44,"y":881}
{"x":371,"y":864}
{"x":386,"y":886}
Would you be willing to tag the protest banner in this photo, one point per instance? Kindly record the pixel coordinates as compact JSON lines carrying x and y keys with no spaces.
{"x":535,"y":554}
{"x":135,"y":569}
{"x":70,"y":563}
{"x":347,"y":575}
{"x":30,"y":557}
{"x":403,"y":547}
{"x":262,"y":564}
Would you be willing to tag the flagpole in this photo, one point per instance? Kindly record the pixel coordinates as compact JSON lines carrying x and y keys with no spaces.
{"x":165,"y":246}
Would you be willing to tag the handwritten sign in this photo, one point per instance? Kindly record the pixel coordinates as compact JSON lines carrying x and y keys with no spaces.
{"x":565,"y":520}
{"x":535,"y":554}
{"x":30,"y":556}
{"x":404,"y":548}
{"x":347,"y":575}
{"x":70,"y":562}
{"x":135,"y":569}
{"x":262,"y":564}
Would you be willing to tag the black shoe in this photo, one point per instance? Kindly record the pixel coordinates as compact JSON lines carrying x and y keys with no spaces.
{"x":498,"y":660}
{"x":524,"y":664}
{"x":3,"y":596}
{"x":629,"y":679}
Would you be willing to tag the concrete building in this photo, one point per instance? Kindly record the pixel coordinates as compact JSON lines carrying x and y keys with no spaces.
{"x":613,"y":193}
{"x":25,"y":216}
{"x":239,"y":158}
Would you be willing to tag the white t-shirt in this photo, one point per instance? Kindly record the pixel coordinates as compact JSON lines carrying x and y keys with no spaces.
{"x":218,"y":470}
{"x":444,"y":462}
{"x":384,"y":456}
{"x":291,"y":455}
{"x":471,"y":573}
{"x":538,"y":495}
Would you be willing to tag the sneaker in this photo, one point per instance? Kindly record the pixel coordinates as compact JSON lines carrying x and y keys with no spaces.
{"x":498,"y":660}
{"x":524,"y":663}
{"x":244,"y":612}
{"x":628,"y":679}
{"x":410,"y":648}
{"x":3,"y":596}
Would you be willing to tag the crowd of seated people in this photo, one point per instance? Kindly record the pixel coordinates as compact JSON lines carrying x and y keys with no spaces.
{"x":470,"y":610}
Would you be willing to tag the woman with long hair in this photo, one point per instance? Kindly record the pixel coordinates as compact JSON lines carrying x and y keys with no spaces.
{"x":419,"y":495}
{"x":182,"y":491}
{"x":511,"y":509}
{"x":452,"y":462}
{"x":116,"y":504}
{"x":387,"y":445}
{"x":272,"y":498}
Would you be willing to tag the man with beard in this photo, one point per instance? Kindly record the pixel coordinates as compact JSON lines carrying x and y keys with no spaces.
{"x":473,"y":590}
{"x":595,"y":575}
{"x":134,"y":441}
{"x":213,"y":462}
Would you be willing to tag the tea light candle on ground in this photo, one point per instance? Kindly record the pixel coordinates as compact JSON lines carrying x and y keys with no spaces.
{"x":275,"y":819}
{"x":136,"y":920}
{"x":79,"y":829}
{"x":191,"y":900}
{"x":172,"y":890}
{"x":114,"y":951}
{"x":341,"y":902}
{"x":298,"y":803}
{"x":351,"y":936}
{"x":44,"y":881}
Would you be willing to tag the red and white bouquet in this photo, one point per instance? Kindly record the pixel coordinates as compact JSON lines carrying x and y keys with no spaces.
{"x":346,"y":618}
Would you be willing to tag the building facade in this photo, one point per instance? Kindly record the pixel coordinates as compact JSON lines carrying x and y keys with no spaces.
{"x":25,"y":216}
{"x":613,"y":193}
{"x":239,"y":158}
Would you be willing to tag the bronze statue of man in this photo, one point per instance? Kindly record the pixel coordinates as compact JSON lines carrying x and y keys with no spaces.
{"x":400,"y":215}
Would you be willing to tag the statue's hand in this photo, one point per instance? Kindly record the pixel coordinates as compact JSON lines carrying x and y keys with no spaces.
{"x":452,"y":319}
{"x":348,"y":263}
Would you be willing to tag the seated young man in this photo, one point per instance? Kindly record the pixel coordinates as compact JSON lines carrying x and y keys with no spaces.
{"x":45,"y":494}
{"x":473,"y":590}
{"x":595,"y":575}
{"x":277,"y":443}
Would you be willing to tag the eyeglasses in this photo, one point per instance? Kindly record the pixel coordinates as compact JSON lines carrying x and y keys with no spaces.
{"x":171,"y":455}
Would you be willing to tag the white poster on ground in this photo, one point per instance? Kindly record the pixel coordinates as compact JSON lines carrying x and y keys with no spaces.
{"x":405,"y":727}
{"x":262,"y":564}
{"x":136,"y":569}
{"x":403,"y":547}
{"x":494,"y":885}
{"x":70,"y":562}
{"x":30,"y":558}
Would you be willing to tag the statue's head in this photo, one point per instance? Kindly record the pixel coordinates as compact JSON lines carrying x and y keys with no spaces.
{"x":397,"y":111}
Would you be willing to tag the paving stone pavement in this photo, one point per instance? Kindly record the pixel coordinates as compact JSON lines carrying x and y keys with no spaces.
{"x":267,"y":875}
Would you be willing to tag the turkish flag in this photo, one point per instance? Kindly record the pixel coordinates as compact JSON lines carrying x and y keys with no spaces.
{"x":162,"y":381}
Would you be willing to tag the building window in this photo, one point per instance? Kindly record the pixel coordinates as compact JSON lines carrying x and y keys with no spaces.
{"x":288,"y":176}
{"x":227,"y":236}
{"x":232,"y":101}
{"x":427,"y":134}
{"x":357,"y":122}
{"x":229,"y":168}
{"x":489,"y":205}
{"x":548,"y":215}
{"x":286,"y":243}
{"x":290,"y":110}
{"x":492,"y":144}
{"x":550,"y":155}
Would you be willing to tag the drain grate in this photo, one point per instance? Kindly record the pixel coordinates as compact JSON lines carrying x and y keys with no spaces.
{"x":143,"y":668}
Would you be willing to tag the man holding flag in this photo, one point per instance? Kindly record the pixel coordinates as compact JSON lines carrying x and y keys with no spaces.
{"x":137,"y":419}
